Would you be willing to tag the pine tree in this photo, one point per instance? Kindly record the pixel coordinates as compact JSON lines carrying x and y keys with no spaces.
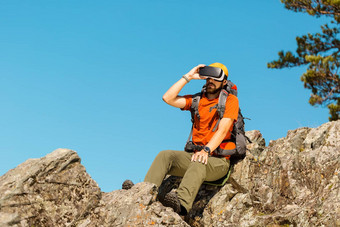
{"x":320,"y":52}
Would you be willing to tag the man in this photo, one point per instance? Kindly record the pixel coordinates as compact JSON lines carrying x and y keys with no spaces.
{"x":201,"y":165}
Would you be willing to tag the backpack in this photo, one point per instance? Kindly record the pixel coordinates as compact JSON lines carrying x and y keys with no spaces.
{"x":238,"y":133}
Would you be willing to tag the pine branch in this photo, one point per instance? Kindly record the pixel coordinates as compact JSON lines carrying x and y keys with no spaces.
{"x":317,"y":7}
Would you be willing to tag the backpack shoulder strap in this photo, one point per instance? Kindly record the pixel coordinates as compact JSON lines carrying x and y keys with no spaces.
{"x":194,"y":109}
{"x":194,"y":106}
{"x":222,"y":99}
{"x":231,"y":88}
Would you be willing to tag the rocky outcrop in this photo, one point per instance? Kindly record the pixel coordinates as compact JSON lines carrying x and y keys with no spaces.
{"x":134,"y":207}
{"x":294,"y":181}
{"x":56,"y":191}
{"x":51,"y":191}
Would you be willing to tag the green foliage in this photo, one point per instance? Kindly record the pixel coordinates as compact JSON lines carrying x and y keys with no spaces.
{"x":320,"y":52}
{"x":334,"y":110}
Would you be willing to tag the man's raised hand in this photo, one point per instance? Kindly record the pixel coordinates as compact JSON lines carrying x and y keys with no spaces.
{"x":193,"y":73}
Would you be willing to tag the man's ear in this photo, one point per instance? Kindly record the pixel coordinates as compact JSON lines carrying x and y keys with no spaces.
{"x":224,"y":82}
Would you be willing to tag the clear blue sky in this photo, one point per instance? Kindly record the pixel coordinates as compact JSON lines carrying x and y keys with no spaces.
{"x":90,"y":75}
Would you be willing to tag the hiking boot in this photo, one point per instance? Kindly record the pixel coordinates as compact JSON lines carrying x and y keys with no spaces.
{"x":171,"y":200}
{"x":127,"y":184}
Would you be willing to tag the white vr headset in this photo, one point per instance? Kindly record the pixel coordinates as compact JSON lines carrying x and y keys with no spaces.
{"x":212,"y":72}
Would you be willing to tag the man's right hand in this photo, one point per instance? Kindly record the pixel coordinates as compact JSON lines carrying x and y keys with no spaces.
{"x":193,"y":73}
{"x":200,"y":156}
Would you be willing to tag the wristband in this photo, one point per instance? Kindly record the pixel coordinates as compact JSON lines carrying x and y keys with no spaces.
{"x":186,"y":78}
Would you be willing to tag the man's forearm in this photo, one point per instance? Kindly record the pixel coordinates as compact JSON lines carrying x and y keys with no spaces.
{"x":220,"y":134}
{"x":202,"y":156}
{"x":216,"y":140}
{"x":171,"y":94}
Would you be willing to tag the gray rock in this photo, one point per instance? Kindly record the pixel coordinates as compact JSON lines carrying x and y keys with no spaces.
{"x":134,"y":207}
{"x":56,"y":191}
{"x":294,"y":181}
{"x":51,"y":191}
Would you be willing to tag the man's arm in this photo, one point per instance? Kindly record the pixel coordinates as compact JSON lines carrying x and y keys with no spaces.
{"x":223,"y":128}
{"x":216,"y":140}
{"x":171,"y":97}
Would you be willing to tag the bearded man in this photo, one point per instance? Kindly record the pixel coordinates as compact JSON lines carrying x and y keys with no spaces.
{"x":202,"y":164}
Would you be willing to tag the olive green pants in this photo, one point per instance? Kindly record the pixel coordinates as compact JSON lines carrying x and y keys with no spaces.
{"x":178,"y":163}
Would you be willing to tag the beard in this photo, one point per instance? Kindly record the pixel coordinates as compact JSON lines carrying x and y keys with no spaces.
{"x":212,"y":89}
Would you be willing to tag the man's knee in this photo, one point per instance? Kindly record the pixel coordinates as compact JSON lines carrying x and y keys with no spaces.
{"x":165,"y":154}
{"x":199,"y":169}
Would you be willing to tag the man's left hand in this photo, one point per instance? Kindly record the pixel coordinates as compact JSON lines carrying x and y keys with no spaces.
{"x":200,"y":156}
